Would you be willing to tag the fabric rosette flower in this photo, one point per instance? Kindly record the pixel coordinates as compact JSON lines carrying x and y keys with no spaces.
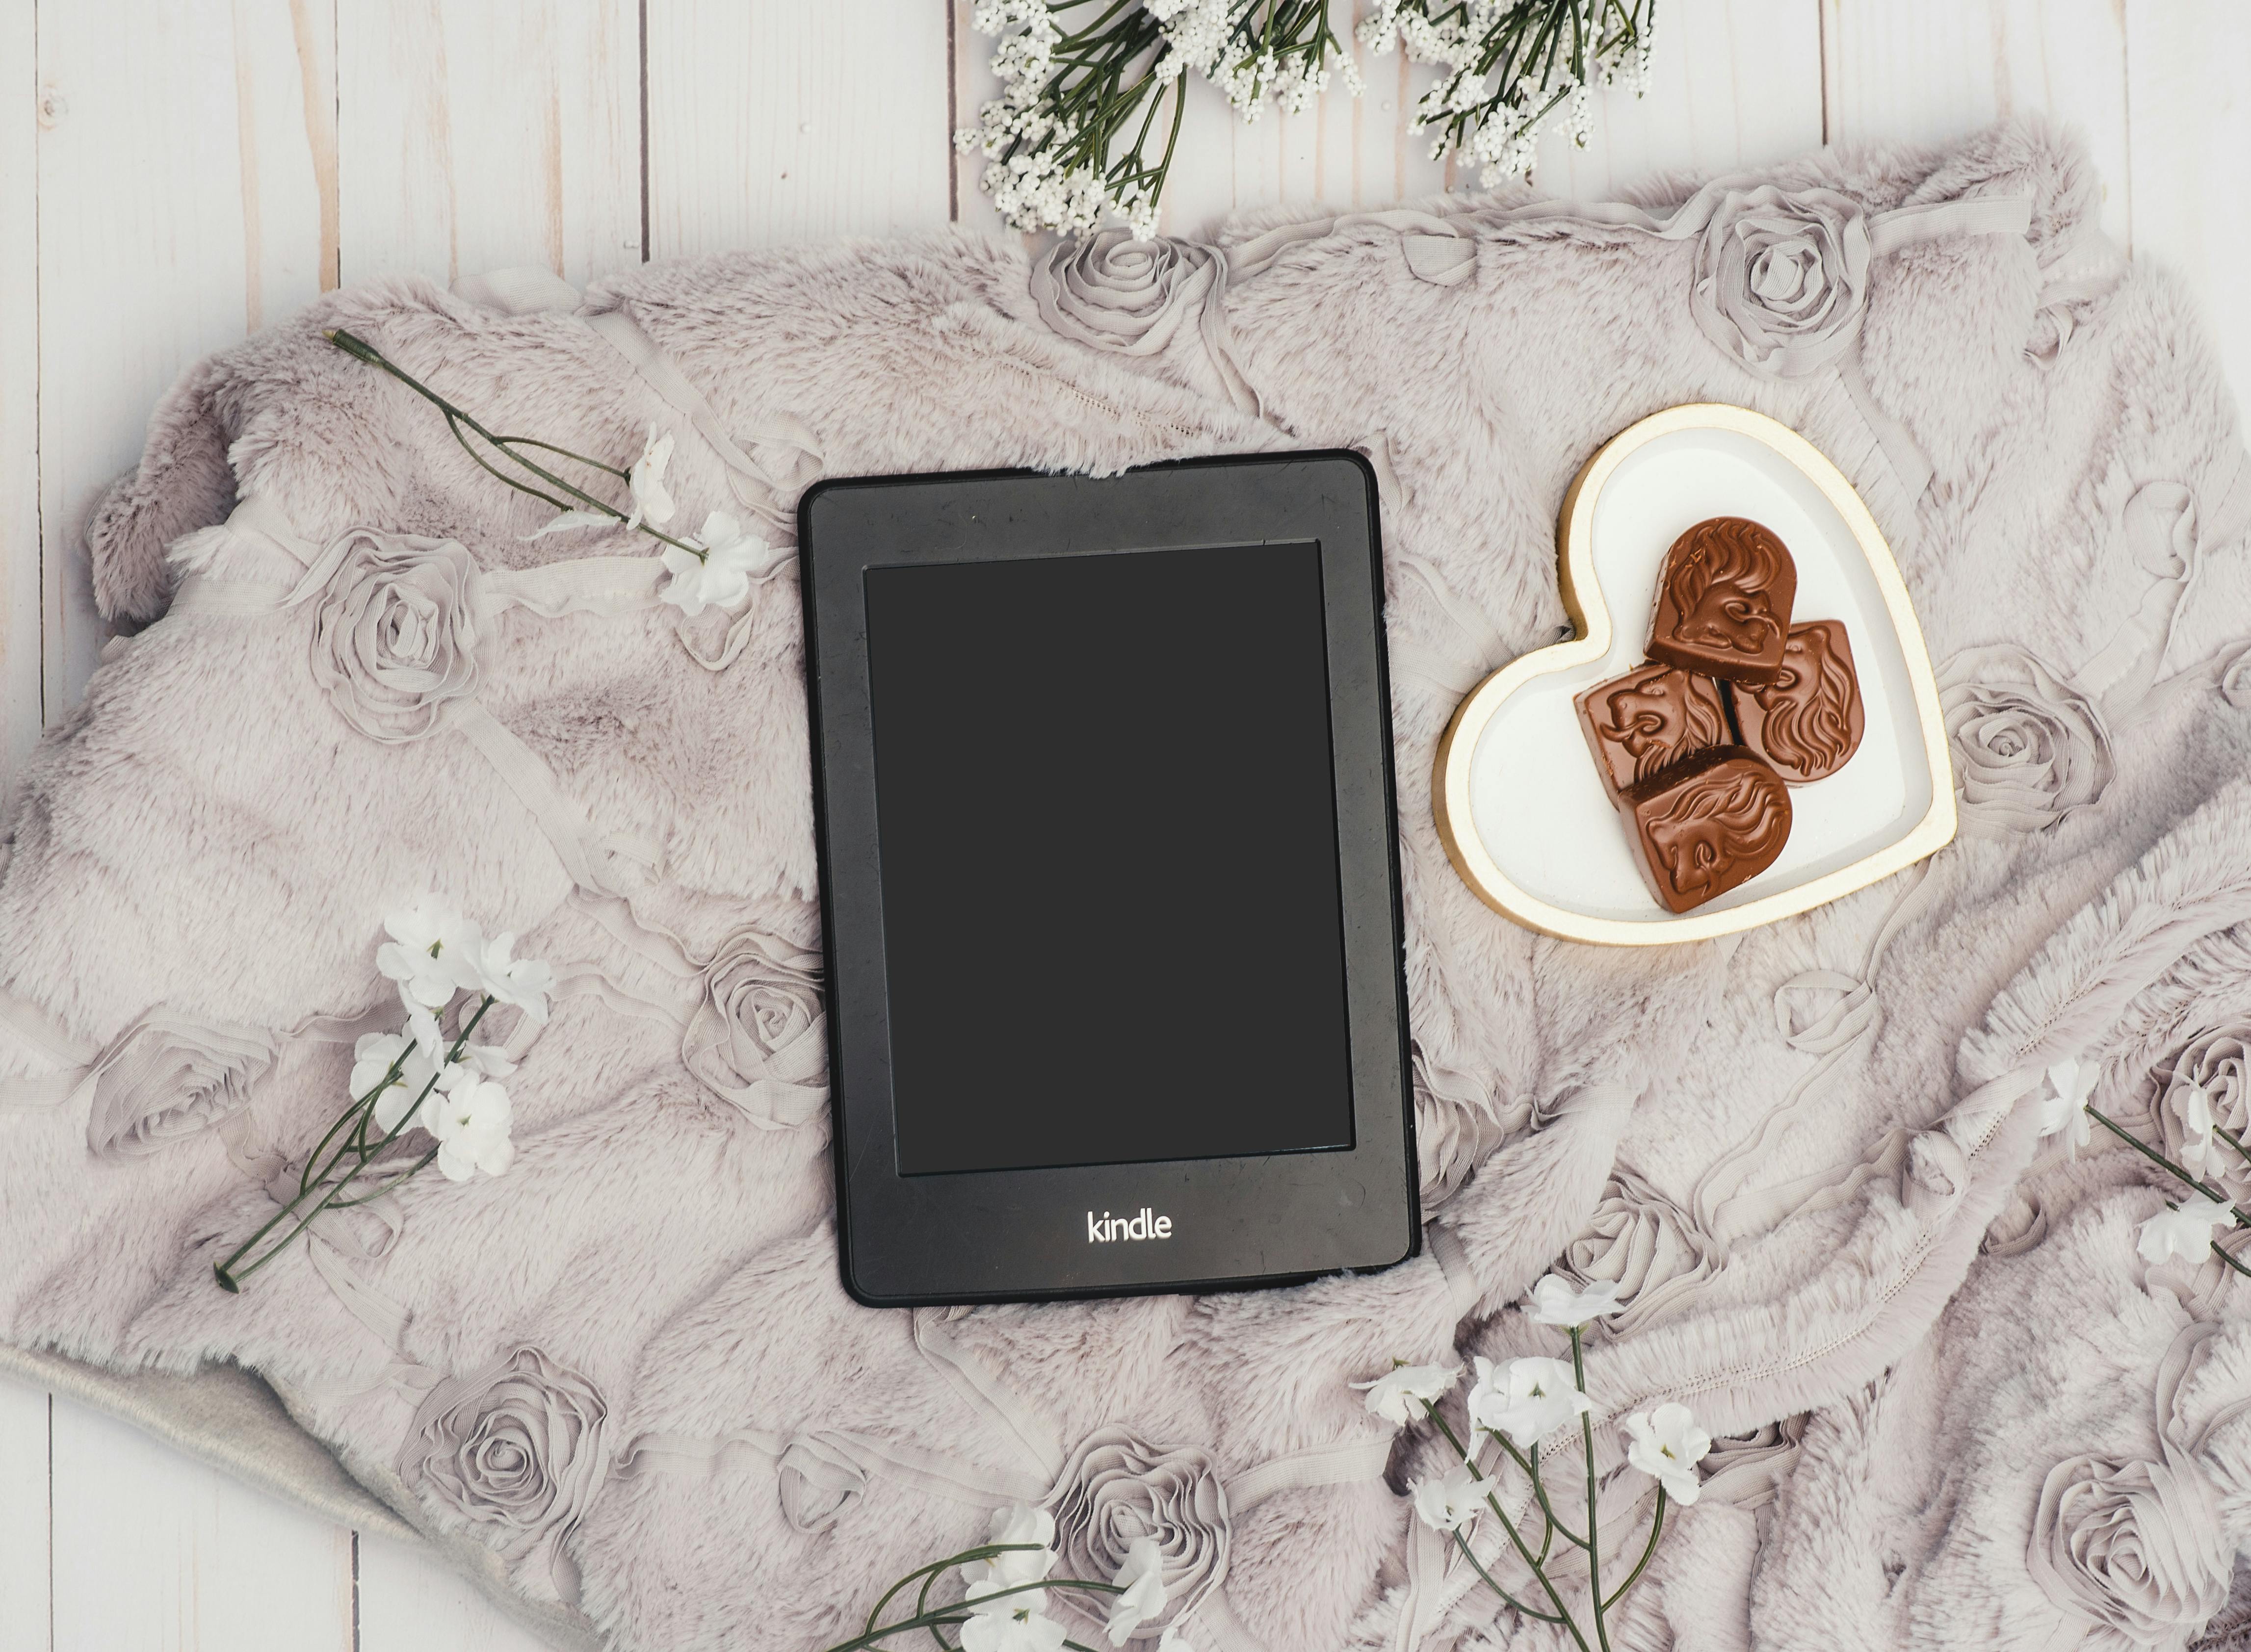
{"x":2029,"y":749}
{"x":1128,"y":296}
{"x":395,"y":636}
{"x":759,"y":1037}
{"x":168,"y":1077}
{"x":2207,"y":1089}
{"x":1118,"y":1489}
{"x":1459,"y":1122}
{"x":2137,"y":1549}
{"x":518,"y":1449}
{"x":1782,"y":279}
{"x":1642,"y":1242}
{"x":1133,"y":296}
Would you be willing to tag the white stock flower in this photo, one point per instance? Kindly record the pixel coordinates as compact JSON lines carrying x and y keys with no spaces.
{"x":1142,"y":1577}
{"x":1172,"y":1640}
{"x":373,"y":1057}
{"x":1399,"y":1395}
{"x":2183,"y":1230}
{"x":2063,"y":1109}
{"x":1666,"y":1445}
{"x":426,"y":954}
{"x":2197,"y":1120}
{"x":471,"y":1118}
{"x":1019,"y":1629}
{"x":1450,"y":1503}
{"x":721,"y":576}
{"x":506,"y":979}
{"x":1013,"y":1524}
{"x":1528,"y":1399}
{"x":1554,"y":1302}
{"x":652,"y":499}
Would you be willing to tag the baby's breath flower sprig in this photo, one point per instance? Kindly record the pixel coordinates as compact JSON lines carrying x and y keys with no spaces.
{"x":418,"y":1079}
{"x":1088,"y":86}
{"x":1507,"y":69}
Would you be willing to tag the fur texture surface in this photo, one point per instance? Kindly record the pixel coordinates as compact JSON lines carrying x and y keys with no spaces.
{"x":1788,"y":1146}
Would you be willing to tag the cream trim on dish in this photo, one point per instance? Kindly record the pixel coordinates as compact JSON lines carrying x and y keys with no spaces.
{"x":1583,"y":599}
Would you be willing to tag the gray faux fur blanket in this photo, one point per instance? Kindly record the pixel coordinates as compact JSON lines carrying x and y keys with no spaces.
{"x":1959,"y":1409}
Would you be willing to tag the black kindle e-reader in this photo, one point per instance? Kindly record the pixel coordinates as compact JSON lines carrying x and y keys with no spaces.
{"x":1101,"y":770}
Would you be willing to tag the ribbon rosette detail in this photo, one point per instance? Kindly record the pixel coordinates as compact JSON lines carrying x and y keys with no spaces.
{"x":518,"y":1448}
{"x":395,"y":635}
{"x":1119,"y":1488}
{"x":759,"y":1037}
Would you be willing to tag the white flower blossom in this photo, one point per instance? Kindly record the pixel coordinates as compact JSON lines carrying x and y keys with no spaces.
{"x":1018,"y":1630}
{"x":1666,"y":1445}
{"x":1399,"y":1395}
{"x":373,"y":1058}
{"x":429,"y":941}
{"x":428,"y":1037}
{"x":420,"y":1072}
{"x":2064,"y":1108}
{"x":721,"y":576}
{"x":1554,"y":1302}
{"x":1142,"y":1580}
{"x":1172,"y":1640}
{"x":506,"y":979}
{"x":652,"y":499}
{"x":1528,"y":1399}
{"x":1017,"y":1524}
{"x":2197,"y":1121}
{"x":2183,"y":1230}
{"x":1450,"y":1503}
{"x":472,"y":1120}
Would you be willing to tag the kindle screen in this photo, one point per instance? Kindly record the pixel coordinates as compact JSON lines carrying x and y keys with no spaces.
{"x":1106,"y":823}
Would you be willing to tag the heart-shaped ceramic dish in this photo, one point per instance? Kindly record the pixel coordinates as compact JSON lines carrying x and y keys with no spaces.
{"x":1519,"y":806}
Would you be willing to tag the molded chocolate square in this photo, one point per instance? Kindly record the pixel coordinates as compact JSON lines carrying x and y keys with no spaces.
{"x":1703,"y":826}
{"x":1648,"y":719}
{"x":1807,"y":722}
{"x":1723,"y":600}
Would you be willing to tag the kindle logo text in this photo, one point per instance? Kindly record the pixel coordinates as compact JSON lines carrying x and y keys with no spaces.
{"x":1147,"y":1225}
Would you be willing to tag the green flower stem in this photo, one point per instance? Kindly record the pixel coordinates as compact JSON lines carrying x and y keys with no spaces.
{"x":1463,"y":1543}
{"x":230,"y":1276}
{"x":2154,"y":1157}
{"x":1594,"y":1547}
{"x":1562,"y":1613}
{"x":1553,"y":1525}
{"x":459,"y":419}
{"x":958,"y":1612}
{"x":625,"y":475}
{"x":348,"y":1124}
{"x":2232,"y":1139}
{"x":1656,"y":1525}
{"x":937,"y":1569}
{"x":1531,"y":1468}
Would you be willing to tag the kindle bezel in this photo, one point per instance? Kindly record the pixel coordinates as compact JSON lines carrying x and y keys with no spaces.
{"x":1006,"y":1236}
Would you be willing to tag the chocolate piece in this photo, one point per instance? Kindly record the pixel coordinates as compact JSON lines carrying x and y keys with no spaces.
{"x":1808,"y":721}
{"x":1723,"y":600}
{"x":1648,"y":719}
{"x":1702,"y":826}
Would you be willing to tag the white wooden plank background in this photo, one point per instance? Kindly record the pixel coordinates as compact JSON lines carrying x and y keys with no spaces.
{"x":174,"y":173}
